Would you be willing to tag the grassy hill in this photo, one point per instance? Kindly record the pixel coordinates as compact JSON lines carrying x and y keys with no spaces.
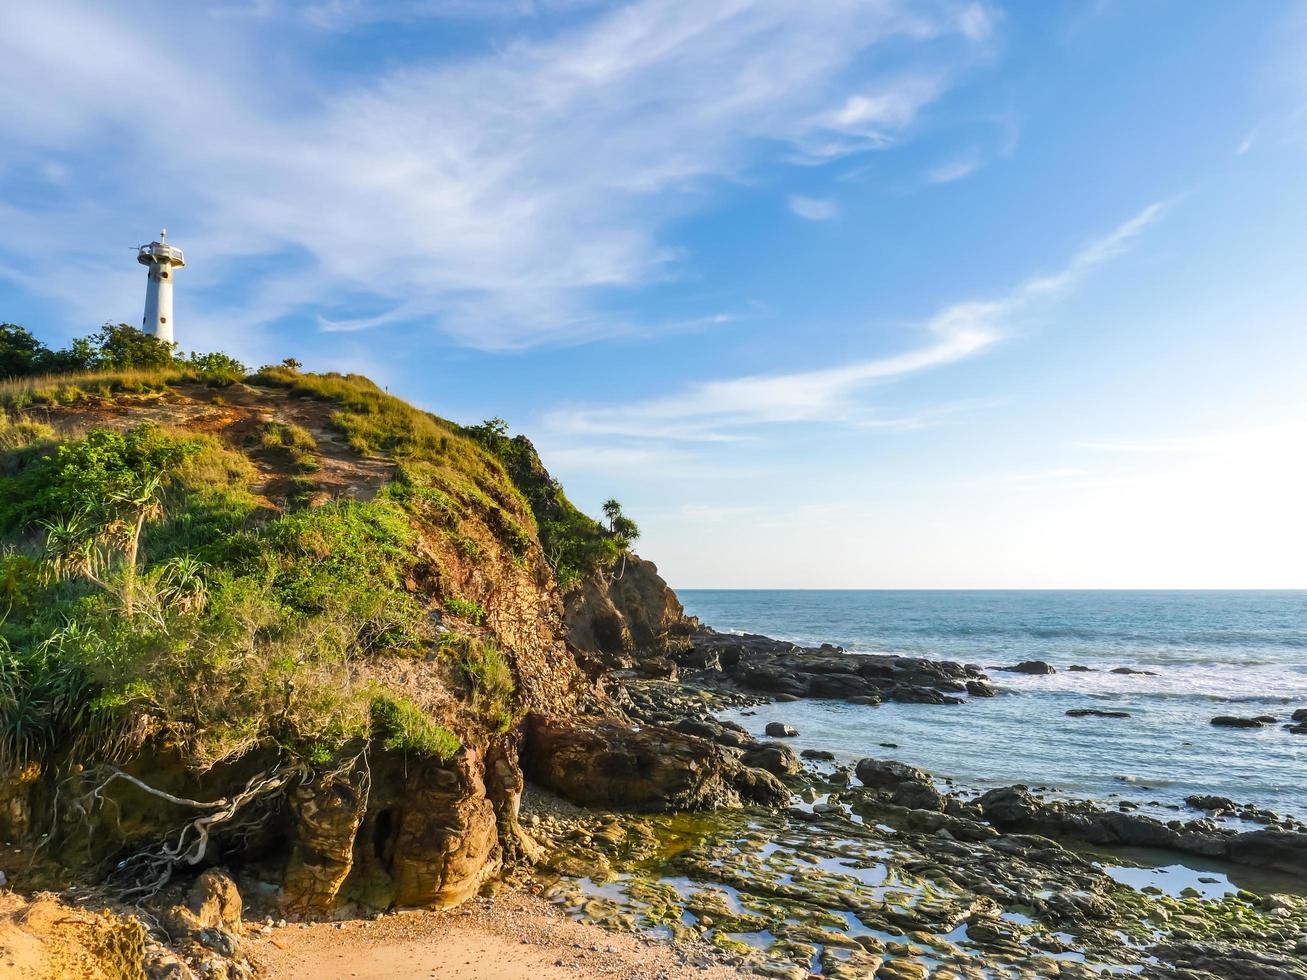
{"x":206,"y":580}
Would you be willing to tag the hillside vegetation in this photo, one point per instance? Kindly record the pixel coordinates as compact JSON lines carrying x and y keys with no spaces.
{"x":209,"y":566}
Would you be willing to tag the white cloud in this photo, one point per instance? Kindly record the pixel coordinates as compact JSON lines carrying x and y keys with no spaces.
{"x":718,"y":410}
{"x":955,"y":169}
{"x":813,"y":208}
{"x":501,"y":196}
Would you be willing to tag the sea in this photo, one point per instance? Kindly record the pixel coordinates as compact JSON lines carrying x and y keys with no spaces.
{"x":1209,"y":653}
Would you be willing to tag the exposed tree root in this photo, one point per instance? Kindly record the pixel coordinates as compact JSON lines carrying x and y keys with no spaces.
{"x":143,"y":874}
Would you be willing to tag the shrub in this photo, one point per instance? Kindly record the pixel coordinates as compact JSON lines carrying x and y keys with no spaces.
{"x":401,"y":724}
{"x":217,"y":368}
{"x":466,"y":609}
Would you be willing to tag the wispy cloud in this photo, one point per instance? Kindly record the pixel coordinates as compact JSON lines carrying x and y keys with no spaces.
{"x":723,"y":409}
{"x":504,"y":197}
{"x":813,"y":208}
{"x":955,"y":169}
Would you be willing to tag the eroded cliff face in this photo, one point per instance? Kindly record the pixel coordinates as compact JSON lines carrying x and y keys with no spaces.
{"x":627,"y":615}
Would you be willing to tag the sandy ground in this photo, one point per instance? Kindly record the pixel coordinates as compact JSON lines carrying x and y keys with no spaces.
{"x":514,"y":935}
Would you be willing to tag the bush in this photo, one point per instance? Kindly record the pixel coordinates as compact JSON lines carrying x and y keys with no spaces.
{"x":217,"y":368}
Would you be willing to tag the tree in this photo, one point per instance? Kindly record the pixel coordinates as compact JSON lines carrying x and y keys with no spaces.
{"x":120,"y":346}
{"x":612,"y":511}
{"x":21,"y":354}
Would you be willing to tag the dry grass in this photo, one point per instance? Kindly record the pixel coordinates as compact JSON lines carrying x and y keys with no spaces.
{"x":17,"y":394}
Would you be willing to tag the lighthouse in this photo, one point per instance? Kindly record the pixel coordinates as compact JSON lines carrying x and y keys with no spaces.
{"x":162,"y":259}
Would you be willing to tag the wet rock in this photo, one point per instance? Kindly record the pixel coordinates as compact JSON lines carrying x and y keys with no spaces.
{"x":1202,"y":802}
{"x":1010,"y":806}
{"x":1132,"y":670}
{"x":1080,"y":669}
{"x":1030,"y":667}
{"x":818,"y":754}
{"x":778,"y":729}
{"x":1095,"y":713}
{"x":980,"y":689}
{"x":1300,"y":715}
{"x":700,"y":728}
{"x":887,"y":774}
{"x":1278,"y":849}
{"x":760,"y":787}
{"x":1230,"y":721}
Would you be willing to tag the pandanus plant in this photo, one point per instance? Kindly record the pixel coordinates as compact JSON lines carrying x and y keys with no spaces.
{"x":85,"y":544}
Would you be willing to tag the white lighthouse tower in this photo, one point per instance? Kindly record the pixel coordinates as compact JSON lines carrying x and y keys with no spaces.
{"x":162,"y":258}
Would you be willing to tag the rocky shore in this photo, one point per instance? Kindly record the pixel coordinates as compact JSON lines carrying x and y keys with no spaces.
{"x":883,"y":870}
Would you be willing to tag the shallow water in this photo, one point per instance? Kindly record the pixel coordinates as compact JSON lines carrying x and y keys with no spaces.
{"x":1242,"y":653}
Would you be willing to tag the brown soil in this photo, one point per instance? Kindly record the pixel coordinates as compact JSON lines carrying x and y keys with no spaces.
{"x":512,"y":936}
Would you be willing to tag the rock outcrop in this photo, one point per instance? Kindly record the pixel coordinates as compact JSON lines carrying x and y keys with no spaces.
{"x":785,"y":671}
{"x":627,"y":615}
{"x":608,"y":763}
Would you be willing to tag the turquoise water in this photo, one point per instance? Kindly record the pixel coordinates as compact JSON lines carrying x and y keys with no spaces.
{"x":1213,"y":653}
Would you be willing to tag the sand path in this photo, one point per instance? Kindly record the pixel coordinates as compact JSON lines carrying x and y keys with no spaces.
{"x":512,"y":936}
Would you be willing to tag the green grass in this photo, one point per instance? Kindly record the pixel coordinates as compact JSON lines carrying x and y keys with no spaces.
{"x":466,"y":609}
{"x":401,"y":725}
{"x":488,"y":674}
{"x":291,"y":446}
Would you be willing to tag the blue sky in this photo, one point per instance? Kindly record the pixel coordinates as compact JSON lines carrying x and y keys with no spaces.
{"x":847,"y":294}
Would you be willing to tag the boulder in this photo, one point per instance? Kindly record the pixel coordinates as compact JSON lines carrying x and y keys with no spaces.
{"x":1131,"y":670}
{"x":1009,"y":806}
{"x":980,"y":689}
{"x":701,"y":729}
{"x":214,"y":901}
{"x":1299,"y":716}
{"x":778,"y":729}
{"x":839,"y":685}
{"x":1230,"y":721}
{"x":761,"y":787}
{"x":598,"y":761}
{"x":1095,"y":713}
{"x":887,"y":774}
{"x":919,"y":796}
{"x":775,"y":758}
